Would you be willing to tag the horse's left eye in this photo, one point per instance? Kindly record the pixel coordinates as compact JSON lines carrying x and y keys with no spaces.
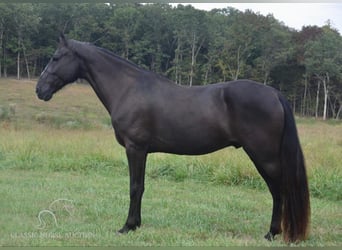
{"x":55,"y":58}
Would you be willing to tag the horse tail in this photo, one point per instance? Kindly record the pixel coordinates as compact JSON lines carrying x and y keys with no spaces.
{"x":295,"y":192}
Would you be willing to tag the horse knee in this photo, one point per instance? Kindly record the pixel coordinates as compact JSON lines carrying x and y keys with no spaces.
{"x":272,"y":170}
{"x":136,"y":191}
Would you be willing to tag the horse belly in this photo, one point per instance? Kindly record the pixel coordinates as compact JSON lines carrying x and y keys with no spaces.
{"x":192,"y":135}
{"x":187,"y":146}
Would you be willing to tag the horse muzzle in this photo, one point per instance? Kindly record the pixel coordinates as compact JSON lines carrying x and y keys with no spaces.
{"x":44,"y":94}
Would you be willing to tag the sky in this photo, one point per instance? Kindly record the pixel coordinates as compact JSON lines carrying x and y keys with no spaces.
{"x":294,"y":15}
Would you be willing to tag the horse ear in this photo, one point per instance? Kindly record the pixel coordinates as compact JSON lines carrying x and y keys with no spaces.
{"x":62,"y":40}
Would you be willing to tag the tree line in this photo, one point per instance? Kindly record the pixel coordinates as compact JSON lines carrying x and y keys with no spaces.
{"x":189,"y":46}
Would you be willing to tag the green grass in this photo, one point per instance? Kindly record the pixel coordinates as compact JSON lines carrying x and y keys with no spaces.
{"x":65,"y":148}
{"x":174,"y":213}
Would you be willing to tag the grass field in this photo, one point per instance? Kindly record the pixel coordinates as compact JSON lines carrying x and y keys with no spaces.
{"x":64,"y":151}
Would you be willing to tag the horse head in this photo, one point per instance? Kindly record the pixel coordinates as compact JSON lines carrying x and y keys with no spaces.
{"x":62,"y":69}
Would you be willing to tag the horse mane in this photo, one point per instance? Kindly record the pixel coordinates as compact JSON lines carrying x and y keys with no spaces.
{"x":110,"y":53}
{"x":74,"y":45}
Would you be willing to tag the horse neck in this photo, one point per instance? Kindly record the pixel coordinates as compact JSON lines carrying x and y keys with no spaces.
{"x":109,"y":75}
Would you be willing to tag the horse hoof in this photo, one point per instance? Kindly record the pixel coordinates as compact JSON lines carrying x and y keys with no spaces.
{"x":126,"y":229}
{"x":269,"y":236}
{"x":123,"y":230}
{"x":119,"y":233}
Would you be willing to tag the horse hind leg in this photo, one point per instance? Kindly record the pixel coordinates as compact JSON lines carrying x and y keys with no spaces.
{"x":275,"y":227}
{"x":273,"y":184}
{"x":270,"y":172}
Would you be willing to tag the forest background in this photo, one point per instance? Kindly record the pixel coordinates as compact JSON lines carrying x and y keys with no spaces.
{"x":187,"y":45}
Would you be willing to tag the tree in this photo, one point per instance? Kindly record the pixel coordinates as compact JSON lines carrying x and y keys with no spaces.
{"x":189,"y":29}
{"x":122,"y":28}
{"x":299,"y":40}
{"x":153,"y":43}
{"x":236,"y":43}
{"x":323,"y":59}
{"x":53,"y":19}
{"x":6,"y":27}
{"x":26,"y":22}
{"x":214,"y":69}
{"x":273,"y":43}
{"x":88,"y":22}
{"x":187,"y":45}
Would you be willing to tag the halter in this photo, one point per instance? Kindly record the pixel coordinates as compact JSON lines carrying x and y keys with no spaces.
{"x":51,"y":73}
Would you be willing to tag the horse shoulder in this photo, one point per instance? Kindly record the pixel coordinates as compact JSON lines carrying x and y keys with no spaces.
{"x":132,"y":120}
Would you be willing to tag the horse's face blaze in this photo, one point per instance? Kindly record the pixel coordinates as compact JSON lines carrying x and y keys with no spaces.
{"x":62,"y":69}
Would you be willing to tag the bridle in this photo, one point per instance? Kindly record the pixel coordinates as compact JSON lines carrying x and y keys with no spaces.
{"x":46,"y":70}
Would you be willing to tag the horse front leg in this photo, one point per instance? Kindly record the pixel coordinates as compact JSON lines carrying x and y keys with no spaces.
{"x":136,"y":162}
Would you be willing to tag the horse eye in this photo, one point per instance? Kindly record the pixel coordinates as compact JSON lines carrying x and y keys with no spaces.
{"x":55,"y":58}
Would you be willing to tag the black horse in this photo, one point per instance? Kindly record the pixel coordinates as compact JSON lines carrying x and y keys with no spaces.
{"x":150,"y":113}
